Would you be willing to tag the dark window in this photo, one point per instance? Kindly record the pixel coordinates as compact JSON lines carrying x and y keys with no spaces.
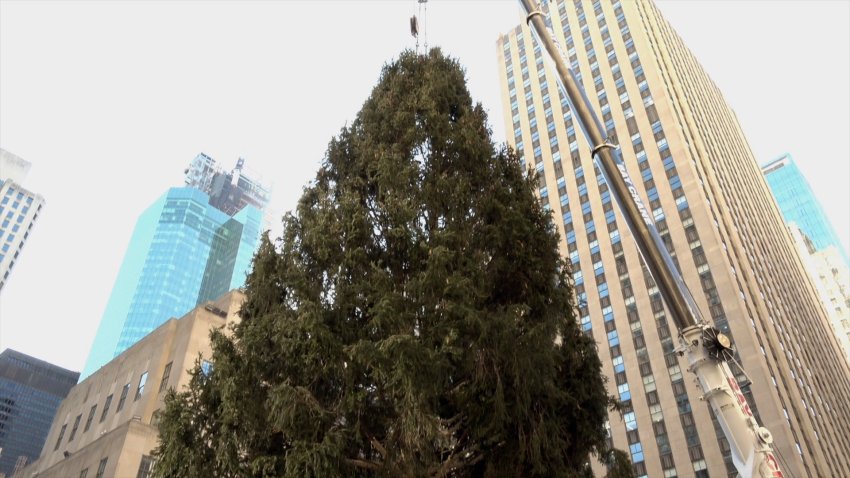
{"x":695,"y":452}
{"x":659,"y":428}
{"x":124,"y":392}
{"x":84,"y":473}
{"x":74,"y":428}
{"x":101,"y":468}
{"x":90,"y":418}
{"x":145,"y":467}
{"x":105,"y":408}
{"x":61,"y":434}
{"x":166,"y":374}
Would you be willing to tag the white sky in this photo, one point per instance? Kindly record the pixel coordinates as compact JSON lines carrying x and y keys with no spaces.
{"x":111,"y":100}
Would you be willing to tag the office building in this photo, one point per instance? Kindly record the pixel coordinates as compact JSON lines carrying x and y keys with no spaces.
{"x":799,"y":204}
{"x":106,"y":427}
{"x":692,"y":166}
{"x":183,"y":252}
{"x":30,"y":392}
{"x":831,"y":278}
{"x":19,"y":209}
{"x":820,"y":249}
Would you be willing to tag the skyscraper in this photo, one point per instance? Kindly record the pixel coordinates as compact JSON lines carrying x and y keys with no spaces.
{"x":183,"y":252}
{"x":831,"y":278}
{"x":30,"y":392}
{"x":19,"y":208}
{"x":799,"y":204}
{"x":692,"y":166}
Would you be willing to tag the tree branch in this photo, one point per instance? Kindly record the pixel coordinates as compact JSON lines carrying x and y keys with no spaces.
{"x":456,"y":460}
{"x":368,"y":465}
{"x":375,"y":443}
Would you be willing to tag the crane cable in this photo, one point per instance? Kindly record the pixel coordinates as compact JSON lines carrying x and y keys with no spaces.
{"x":423,"y":14}
{"x":420,"y":13}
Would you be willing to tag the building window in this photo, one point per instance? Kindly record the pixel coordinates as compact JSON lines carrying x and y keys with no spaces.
{"x":61,"y":434}
{"x":141,"y":389}
{"x":124,"y":392}
{"x":166,"y":374}
{"x":90,"y":418}
{"x":637,"y":452}
{"x":631,"y":421}
{"x":700,"y":468}
{"x":656,"y":413}
{"x":145,"y":467}
{"x":105,"y":408}
{"x":624,"y":392}
{"x":101,"y":468}
{"x":74,"y":428}
{"x":84,"y":473}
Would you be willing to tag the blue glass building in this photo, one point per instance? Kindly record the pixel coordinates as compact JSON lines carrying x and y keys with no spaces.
{"x":183,"y":252}
{"x":798,"y":203}
{"x":30,"y":393}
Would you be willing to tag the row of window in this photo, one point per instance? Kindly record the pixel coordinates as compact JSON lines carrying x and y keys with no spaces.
{"x":101,"y":469}
{"x":125,"y":391}
{"x":145,"y":468}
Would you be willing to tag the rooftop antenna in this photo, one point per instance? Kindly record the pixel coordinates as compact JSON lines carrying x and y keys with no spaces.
{"x":414,"y":24}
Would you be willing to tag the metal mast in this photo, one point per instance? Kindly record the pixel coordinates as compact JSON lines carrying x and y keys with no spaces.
{"x":707,"y":350}
{"x":414,"y":24}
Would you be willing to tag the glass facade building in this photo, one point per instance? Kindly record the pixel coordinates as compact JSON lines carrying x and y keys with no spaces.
{"x":183,"y":252}
{"x":229,"y":191}
{"x":694,"y":170}
{"x":799,"y":204}
{"x":30,"y":393}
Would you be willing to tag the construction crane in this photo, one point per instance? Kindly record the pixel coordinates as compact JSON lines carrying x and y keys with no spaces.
{"x":707,"y":349}
{"x":414,"y":25}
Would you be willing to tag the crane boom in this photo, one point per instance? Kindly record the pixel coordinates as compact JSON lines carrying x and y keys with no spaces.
{"x":706,"y":349}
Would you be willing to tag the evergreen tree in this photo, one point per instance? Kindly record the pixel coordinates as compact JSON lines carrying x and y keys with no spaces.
{"x":415,"y":319}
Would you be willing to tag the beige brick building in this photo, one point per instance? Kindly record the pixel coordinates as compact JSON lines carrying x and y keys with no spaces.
{"x":685,"y":150}
{"x":106,"y":425}
{"x":831,"y":278}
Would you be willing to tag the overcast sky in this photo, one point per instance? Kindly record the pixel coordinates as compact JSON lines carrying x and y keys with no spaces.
{"x":111,"y":100}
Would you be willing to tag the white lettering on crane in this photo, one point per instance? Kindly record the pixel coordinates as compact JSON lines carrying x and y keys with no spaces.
{"x":633,"y":191}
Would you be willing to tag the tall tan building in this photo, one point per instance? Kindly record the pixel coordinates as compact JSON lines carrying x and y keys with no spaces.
{"x":831,"y":278}
{"x":685,"y":150}
{"x":106,"y":427}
